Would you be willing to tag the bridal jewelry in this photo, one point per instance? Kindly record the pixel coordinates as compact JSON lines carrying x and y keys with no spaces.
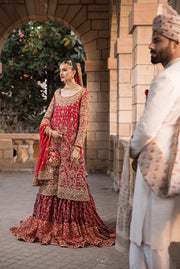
{"x":71,"y":87}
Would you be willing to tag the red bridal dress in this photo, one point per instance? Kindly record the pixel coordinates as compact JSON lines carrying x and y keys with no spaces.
{"x":64,"y":211}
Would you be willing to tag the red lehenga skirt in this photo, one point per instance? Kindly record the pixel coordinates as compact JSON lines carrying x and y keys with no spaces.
{"x":66,"y":223}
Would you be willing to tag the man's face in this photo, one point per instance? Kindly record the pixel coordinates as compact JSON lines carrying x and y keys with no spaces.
{"x":161,"y":49}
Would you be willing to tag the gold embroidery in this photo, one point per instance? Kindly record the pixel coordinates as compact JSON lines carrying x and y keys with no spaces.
{"x":70,"y":115}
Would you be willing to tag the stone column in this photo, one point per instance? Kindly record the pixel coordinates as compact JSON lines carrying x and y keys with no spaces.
{"x":97,"y":131}
{"x":112,"y":67}
{"x":123,"y":53}
{"x":6,"y":154}
{"x":19,"y":150}
{"x":140,"y":26}
{"x":30,"y":150}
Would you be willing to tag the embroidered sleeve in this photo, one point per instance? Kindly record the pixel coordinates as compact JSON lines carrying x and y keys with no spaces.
{"x":48,"y":116}
{"x":83,"y":120}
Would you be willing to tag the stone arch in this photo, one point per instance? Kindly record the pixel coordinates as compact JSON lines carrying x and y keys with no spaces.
{"x":89,"y":19}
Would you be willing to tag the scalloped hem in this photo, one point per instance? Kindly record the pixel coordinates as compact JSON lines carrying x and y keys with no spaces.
{"x":64,"y":235}
{"x":66,"y":223}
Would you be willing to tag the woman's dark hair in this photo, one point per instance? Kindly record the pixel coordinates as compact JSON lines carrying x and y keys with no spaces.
{"x":71,"y":63}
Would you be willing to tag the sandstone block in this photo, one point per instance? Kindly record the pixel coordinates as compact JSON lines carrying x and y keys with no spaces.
{"x":125,"y":10}
{"x":79,"y":18}
{"x":124,"y":32}
{"x":72,"y":12}
{"x":96,"y":8}
{"x":103,"y":117}
{"x":125,"y":90}
{"x":105,"y":53}
{"x":6,"y":144}
{"x":91,"y":46}
{"x":96,"y":145}
{"x":93,"y":97}
{"x":102,"y":136}
{"x":93,"y":86}
{"x":87,"y":1}
{"x":125,"y":104}
{"x":89,"y":36}
{"x":97,"y":126}
{"x":141,"y":55}
{"x":100,"y":24}
{"x":142,"y":35}
{"x":103,"y":97}
{"x":102,"y":76}
{"x":124,"y":45}
{"x":104,"y":86}
{"x":142,"y":74}
{"x":8,"y":154}
{"x":66,"y":2}
{"x":92,"y":117}
{"x":100,"y":107}
{"x":125,"y":75}
{"x":113,"y":128}
{"x":4,"y":164}
{"x":91,"y":77}
{"x":102,"y":154}
{"x":61,"y":11}
{"x":125,"y":116}
{"x":101,"y":2}
{"x":124,"y":21}
{"x":142,"y":14}
{"x":94,"y":54}
{"x":112,"y":63}
{"x":98,"y":15}
{"x":91,"y":136}
{"x":102,"y":43}
{"x":96,"y":65}
{"x":125,"y":61}
{"x":84,"y":27}
{"x":91,"y":154}
{"x":103,"y":34}
{"x":113,"y":96}
{"x":113,"y":117}
{"x":124,"y":129}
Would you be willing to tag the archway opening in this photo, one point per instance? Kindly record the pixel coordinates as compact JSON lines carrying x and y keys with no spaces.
{"x":30,"y":71}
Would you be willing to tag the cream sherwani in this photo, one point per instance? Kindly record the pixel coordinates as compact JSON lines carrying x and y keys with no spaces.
{"x":156,"y":221}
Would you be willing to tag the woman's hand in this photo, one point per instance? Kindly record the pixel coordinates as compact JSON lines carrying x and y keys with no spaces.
{"x":76,"y":154}
{"x":56,"y":134}
{"x":134,"y":165}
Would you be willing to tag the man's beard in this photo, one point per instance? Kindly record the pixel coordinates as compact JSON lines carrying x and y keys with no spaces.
{"x":155,"y":59}
{"x":161,"y":56}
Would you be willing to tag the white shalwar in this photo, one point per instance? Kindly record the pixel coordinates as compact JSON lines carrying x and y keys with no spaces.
{"x":156,"y":221}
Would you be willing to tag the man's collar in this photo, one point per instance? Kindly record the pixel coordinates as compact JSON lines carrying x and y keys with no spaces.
{"x":172,"y":62}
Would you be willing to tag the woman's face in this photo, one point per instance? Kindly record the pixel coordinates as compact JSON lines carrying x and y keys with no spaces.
{"x":66,"y":73}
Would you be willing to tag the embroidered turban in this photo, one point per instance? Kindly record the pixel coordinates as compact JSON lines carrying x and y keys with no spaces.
{"x":167,"y":25}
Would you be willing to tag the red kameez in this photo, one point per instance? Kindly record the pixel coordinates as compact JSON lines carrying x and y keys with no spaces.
{"x":64,"y":211}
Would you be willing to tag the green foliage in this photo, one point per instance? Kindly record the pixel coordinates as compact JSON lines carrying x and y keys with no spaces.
{"x":31,"y":56}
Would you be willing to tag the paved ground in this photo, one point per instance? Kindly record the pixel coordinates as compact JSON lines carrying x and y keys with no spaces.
{"x":16,"y":203}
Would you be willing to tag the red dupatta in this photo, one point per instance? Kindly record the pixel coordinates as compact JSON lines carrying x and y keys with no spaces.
{"x":41,"y":168}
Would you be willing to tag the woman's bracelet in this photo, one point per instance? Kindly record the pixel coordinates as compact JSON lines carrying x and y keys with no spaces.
{"x":48,"y":131}
{"x":78,"y":148}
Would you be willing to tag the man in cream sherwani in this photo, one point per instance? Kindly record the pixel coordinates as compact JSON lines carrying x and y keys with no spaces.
{"x":156,"y":221}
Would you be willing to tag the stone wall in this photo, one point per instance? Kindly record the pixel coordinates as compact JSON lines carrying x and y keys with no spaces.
{"x":6,"y":154}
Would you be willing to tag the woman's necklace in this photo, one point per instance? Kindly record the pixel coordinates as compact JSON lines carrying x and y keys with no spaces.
{"x":68,"y":91}
{"x":71,"y":87}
